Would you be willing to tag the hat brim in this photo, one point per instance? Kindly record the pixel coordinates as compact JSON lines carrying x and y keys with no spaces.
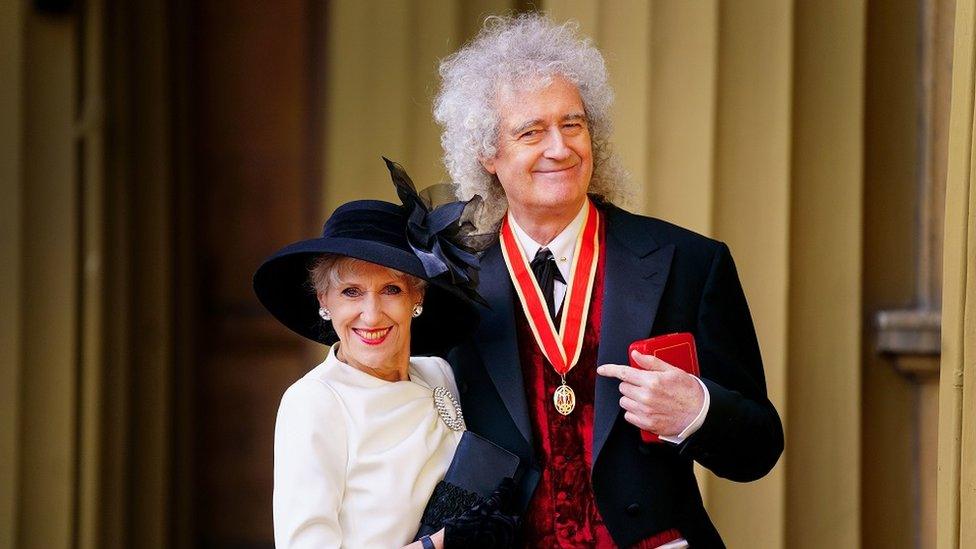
{"x":282,"y":285}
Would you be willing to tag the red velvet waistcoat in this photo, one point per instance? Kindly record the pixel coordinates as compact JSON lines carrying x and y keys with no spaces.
{"x":563,"y":511}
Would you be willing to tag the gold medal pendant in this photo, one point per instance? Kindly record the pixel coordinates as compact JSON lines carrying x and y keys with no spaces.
{"x":564,"y":398}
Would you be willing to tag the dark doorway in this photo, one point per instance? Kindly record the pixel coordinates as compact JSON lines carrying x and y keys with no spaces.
{"x":249,"y":79}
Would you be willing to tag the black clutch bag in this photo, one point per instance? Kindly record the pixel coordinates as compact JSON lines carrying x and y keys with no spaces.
{"x":479,"y":465}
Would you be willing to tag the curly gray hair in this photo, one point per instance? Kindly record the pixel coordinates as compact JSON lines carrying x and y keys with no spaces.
{"x":521,"y":52}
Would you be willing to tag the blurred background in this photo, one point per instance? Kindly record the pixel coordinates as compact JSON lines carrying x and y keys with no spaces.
{"x":153,"y":152}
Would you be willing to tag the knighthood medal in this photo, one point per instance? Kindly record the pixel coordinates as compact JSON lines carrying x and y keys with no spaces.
{"x":561,"y":348}
{"x":564,"y":398}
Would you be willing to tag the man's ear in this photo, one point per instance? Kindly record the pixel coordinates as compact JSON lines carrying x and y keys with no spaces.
{"x":488,"y":164}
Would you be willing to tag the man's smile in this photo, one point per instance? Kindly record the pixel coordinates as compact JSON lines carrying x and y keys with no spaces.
{"x":556,"y":171}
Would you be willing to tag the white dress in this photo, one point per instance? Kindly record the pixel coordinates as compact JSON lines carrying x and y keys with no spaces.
{"x":356,"y":457}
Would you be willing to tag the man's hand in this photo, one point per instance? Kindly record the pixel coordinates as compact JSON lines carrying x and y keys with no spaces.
{"x":659,"y":398}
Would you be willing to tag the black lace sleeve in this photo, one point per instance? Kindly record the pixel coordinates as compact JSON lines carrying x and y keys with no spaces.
{"x":469,"y":521}
{"x":447,"y":501}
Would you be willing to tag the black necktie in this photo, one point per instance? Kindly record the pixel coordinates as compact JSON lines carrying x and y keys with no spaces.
{"x":546,"y":273}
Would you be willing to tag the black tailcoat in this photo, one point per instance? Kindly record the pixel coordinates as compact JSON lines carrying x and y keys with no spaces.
{"x":659,"y":278}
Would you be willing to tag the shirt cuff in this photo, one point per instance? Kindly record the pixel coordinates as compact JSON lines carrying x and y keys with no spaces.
{"x":695,"y":423}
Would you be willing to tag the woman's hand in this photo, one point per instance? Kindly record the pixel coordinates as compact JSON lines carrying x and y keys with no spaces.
{"x":437,"y":538}
{"x":489,"y":523}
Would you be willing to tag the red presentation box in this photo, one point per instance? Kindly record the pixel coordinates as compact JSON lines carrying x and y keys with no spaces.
{"x":676,"y":349}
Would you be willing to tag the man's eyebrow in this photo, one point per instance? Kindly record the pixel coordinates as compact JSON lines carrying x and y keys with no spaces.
{"x":526,"y":125}
{"x":536,"y":121}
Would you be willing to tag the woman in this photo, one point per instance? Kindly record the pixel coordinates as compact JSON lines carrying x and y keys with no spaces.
{"x":362,"y":440}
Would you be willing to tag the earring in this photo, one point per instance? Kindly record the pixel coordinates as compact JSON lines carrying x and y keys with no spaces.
{"x":417,"y":309}
{"x":325,"y":314}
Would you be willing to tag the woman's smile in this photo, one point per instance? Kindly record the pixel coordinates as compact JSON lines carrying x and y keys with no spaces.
{"x":372,"y":336}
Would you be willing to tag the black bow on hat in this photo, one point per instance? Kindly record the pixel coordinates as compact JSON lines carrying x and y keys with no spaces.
{"x":443,"y":238}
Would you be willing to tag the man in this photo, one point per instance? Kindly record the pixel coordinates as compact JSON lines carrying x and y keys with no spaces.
{"x":572,"y":282}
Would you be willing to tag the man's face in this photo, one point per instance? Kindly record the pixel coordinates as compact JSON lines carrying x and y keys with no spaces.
{"x":545,"y":158}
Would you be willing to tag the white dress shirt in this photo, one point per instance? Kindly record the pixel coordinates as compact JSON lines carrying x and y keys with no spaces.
{"x":356,"y":458}
{"x":563,"y":246}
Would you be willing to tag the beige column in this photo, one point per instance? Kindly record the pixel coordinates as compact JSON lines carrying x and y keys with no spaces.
{"x":624,"y":32}
{"x":431,"y":38}
{"x":662,"y":61}
{"x":367,"y":98}
{"x":11,"y":172}
{"x":89,"y":134}
{"x":823,"y":379}
{"x":680,"y":113}
{"x":751,"y":212}
{"x":957,"y":390}
{"x":49,"y":289}
{"x":382,"y":63}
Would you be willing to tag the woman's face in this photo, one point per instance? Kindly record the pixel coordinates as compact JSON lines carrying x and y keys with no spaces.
{"x":371,"y":308}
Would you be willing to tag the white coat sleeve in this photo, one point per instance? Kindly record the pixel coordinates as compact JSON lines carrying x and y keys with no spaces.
{"x":310,"y":458}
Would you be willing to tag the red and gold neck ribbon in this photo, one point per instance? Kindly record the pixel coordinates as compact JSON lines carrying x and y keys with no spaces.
{"x":561,"y":348}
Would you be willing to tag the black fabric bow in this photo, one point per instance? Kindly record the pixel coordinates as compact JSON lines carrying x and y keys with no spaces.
{"x":443,"y":238}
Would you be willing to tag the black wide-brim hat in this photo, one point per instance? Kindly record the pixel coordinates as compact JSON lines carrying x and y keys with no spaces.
{"x":408,"y":238}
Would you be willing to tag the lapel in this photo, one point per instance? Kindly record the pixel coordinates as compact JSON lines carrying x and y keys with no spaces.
{"x":636,"y":270}
{"x":497,"y":341}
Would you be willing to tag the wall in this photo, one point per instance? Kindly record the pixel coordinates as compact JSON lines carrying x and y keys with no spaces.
{"x":957,"y":389}
{"x":11,"y":167}
{"x":41,"y":372}
{"x":742,"y":120}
